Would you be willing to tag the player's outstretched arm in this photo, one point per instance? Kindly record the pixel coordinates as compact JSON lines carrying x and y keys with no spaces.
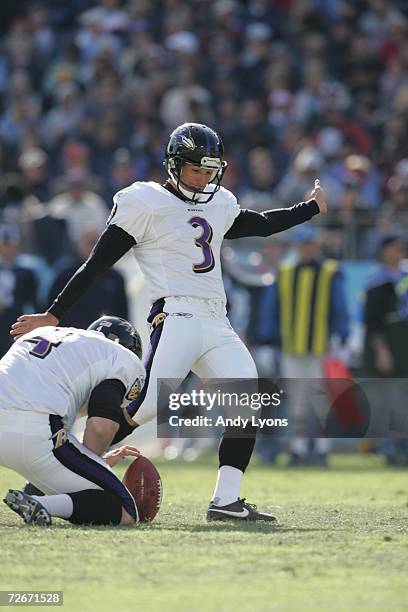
{"x":252,"y":223}
{"x":111,"y":246}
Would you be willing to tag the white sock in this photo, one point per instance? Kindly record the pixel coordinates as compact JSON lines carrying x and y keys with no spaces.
{"x":299,"y":446}
{"x":322,"y":445}
{"x":57,"y":505}
{"x":227,"y":486}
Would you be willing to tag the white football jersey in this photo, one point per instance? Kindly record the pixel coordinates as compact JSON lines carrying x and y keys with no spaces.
{"x":178,"y":243}
{"x":55,"y":369}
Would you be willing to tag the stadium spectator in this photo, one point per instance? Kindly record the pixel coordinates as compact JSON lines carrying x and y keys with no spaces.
{"x":107,"y":294}
{"x":104,"y":144}
{"x":33,"y":164}
{"x":295,"y":183}
{"x":261,"y":179}
{"x":359,"y":177}
{"x":74,"y":159}
{"x":40,"y":234}
{"x":63,"y":120}
{"x":179,"y":101}
{"x":121,"y":173}
{"x":396,"y":204}
{"x":18,"y":285}
{"x":386,"y":324}
{"x":78,"y":206}
{"x":302,"y":312}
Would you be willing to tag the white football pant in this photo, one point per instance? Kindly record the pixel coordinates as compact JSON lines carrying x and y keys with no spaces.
{"x":194,"y":336}
{"x":50,"y":458}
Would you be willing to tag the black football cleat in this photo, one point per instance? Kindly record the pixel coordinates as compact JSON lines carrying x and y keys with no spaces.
{"x":30,"y":510}
{"x":239,"y":510}
{"x":31,"y":489}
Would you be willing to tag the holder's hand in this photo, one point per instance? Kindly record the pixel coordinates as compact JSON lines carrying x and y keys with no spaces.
{"x":112,"y":457}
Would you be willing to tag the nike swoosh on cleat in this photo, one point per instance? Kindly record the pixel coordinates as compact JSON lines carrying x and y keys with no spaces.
{"x":244,"y":513}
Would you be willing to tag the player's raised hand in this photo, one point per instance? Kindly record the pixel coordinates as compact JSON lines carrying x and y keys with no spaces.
{"x":319,"y":195}
{"x":112,"y":457}
{"x":27,"y":323}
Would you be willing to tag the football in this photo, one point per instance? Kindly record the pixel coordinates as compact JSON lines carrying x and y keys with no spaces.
{"x":144,"y":483}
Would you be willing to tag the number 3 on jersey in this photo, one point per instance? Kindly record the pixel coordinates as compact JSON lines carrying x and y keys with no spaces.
{"x":203,"y":242}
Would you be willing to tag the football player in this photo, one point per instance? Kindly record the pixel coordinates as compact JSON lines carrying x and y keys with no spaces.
{"x":48,"y":378}
{"x":175,"y":231}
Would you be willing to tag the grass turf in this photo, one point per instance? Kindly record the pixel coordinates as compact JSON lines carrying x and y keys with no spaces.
{"x":341,"y":545}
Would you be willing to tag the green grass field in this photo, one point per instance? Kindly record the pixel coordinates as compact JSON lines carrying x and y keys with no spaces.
{"x":341,"y":545}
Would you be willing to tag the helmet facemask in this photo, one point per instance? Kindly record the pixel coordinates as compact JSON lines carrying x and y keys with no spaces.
{"x":174,"y":166}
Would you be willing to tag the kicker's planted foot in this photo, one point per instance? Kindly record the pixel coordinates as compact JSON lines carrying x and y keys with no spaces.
{"x":239,"y":510}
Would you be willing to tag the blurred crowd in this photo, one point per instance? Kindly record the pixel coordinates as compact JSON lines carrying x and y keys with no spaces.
{"x":298,"y":89}
{"x":89,"y":92}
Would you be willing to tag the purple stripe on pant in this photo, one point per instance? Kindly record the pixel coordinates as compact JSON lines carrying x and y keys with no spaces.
{"x":134,"y":406}
{"x":73,"y":459}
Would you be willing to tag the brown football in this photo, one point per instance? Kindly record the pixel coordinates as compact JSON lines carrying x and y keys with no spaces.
{"x":144,"y":483}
